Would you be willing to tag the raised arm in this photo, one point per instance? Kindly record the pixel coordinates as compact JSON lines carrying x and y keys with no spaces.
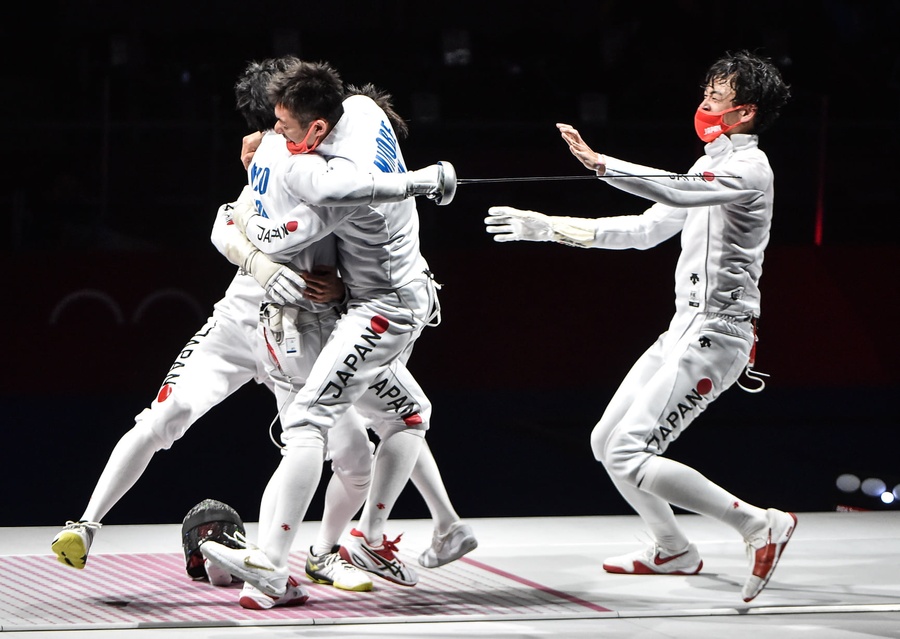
{"x":740,"y":182}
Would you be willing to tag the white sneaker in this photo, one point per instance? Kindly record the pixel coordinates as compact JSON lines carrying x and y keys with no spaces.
{"x":216,"y":576}
{"x":379,"y":560}
{"x":248,"y":563}
{"x":73,"y":543}
{"x":331,"y":569}
{"x":656,"y":561}
{"x":765,"y":550}
{"x":255,"y":599}
{"x":450,"y":546}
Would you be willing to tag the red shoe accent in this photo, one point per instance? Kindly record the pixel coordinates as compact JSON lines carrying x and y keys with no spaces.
{"x":285,"y":600}
{"x":640,"y":568}
{"x":767,"y":557}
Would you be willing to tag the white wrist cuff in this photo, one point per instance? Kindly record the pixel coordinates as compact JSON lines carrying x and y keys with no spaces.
{"x":573,"y":231}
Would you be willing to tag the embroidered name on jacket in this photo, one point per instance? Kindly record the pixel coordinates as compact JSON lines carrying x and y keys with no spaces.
{"x":272,"y":234}
{"x":386,"y":151}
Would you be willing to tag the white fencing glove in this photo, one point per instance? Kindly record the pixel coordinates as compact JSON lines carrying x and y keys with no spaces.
{"x":242,"y":209}
{"x":227,"y":238}
{"x":282,"y":284}
{"x":509,"y":224}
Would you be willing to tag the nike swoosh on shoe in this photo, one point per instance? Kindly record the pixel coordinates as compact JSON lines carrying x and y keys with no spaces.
{"x":249,"y":564}
{"x":659,"y":561}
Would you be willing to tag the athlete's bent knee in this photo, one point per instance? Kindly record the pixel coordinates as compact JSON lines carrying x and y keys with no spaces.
{"x":357,"y":464}
{"x":164,"y":426}
{"x":624,"y":457}
{"x":140,"y":436}
{"x":305,"y":436}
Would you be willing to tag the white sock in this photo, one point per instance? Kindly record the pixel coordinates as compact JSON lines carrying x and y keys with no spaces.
{"x":127,"y":462}
{"x":267,"y":507}
{"x":426,"y":477}
{"x":686,"y":488}
{"x":296,"y":480}
{"x":343,"y":499}
{"x":657,"y":514}
{"x":394,"y":460}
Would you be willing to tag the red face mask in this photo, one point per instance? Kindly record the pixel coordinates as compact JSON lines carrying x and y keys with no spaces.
{"x":709,"y":126}
{"x":298,"y":148}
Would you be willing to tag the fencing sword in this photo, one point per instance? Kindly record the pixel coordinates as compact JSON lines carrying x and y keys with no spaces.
{"x":552,"y":178}
{"x":448,"y":181}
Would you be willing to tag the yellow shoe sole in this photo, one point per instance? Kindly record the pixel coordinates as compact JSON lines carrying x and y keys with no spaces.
{"x":70,"y":550}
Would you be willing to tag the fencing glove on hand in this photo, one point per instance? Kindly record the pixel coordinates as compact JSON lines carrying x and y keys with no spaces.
{"x":436,"y":182}
{"x":509,"y":224}
{"x":242,"y":209}
{"x":282,"y":284}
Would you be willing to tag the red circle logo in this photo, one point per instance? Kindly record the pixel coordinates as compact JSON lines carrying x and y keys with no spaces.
{"x":709,"y":176}
{"x":291,"y":226}
{"x":704,"y":386}
{"x":164,"y":393}
{"x":379,"y":324}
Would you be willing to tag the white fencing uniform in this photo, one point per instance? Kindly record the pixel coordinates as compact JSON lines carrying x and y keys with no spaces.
{"x":221,"y":357}
{"x":226,"y":353}
{"x":392,"y":295}
{"x":724,"y":224}
{"x":392,"y":298}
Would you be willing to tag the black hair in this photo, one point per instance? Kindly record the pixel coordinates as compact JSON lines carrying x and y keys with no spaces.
{"x":309,"y":90}
{"x":251,"y":91}
{"x":755,"y":80}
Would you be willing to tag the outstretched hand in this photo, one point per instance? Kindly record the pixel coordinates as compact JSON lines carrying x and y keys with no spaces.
{"x":587,"y":156}
{"x":509,"y":225}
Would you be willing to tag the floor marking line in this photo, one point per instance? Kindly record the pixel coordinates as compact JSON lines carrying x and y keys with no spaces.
{"x":533,"y":584}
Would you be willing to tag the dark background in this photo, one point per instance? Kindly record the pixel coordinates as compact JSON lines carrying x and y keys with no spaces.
{"x":122,"y":140}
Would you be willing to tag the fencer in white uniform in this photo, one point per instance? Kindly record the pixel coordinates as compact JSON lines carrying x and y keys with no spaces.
{"x":392,"y":298}
{"x":222,"y":356}
{"x":722,"y":209}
